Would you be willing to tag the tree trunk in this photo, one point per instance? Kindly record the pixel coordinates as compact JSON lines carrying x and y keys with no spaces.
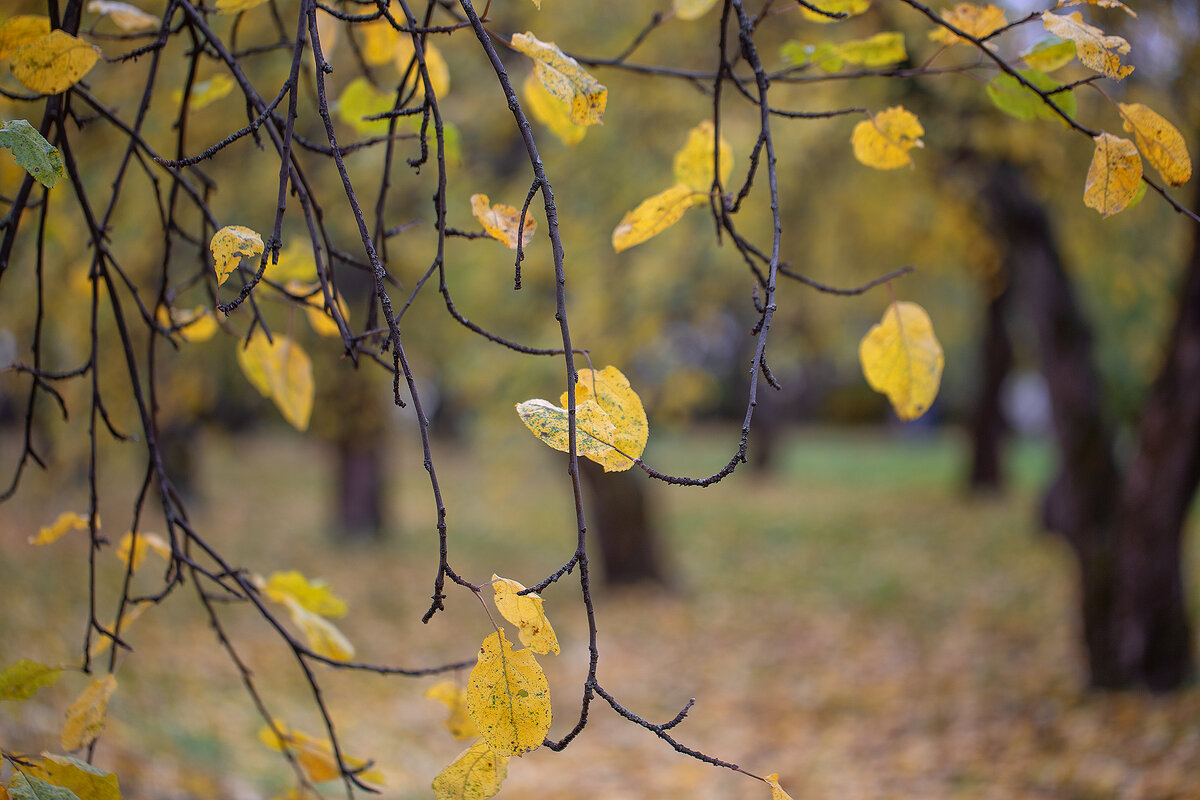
{"x":623,"y":524}
{"x":988,"y":426}
{"x":360,"y":490}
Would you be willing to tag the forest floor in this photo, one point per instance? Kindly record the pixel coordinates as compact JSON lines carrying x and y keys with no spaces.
{"x":851,"y":620}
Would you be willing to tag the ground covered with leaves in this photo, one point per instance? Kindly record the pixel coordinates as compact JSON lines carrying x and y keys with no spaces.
{"x":850,"y":620}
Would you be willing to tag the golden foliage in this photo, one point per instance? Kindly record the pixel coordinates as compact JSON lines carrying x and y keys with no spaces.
{"x":902,"y":358}
{"x":508,"y":697}
{"x":884,"y":141}
{"x":85,"y":717}
{"x":1114,"y":175}
{"x":526,"y":612}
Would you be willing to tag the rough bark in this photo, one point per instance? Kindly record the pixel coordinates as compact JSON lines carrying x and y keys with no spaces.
{"x":988,"y":425}
{"x":623,"y":524}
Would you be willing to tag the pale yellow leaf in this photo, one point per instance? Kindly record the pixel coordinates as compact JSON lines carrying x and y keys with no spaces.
{"x":526,"y":612}
{"x":973,"y":20}
{"x":229,"y":246}
{"x":502,"y":221}
{"x":1095,"y":49}
{"x":1114,"y":175}
{"x":653,"y":216}
{"x":508,"y":697}
{"x":296,"y":263}
{"x":314,"y":595}
{"x":67,"y":521}
{"x":205,"y":93}
{"x":234,"y":6}
{"x":21,"y":29}
{"x":555,"y":114}
{"x":435,"y":65}
{"x":692,"y":9}
{"x":282,"y":372}
{"x":379,"y":41}
{"x":323,"y":637}
{"x":126,"y":549}
{"x":1160,"y":142}
{"x":902,"y":358}
{"x":594,"y":431}
{"x":22,"y":680}
{"x":848,"y":7}
{"x":361,"y":99}
{"x":101,"y":643}
{"x":85,"y":717}
{"x":564,"y":78}
{"x":127,"y":17}
{"x":777,"y":792}
{"x":458,"y":722}
{"x":314,"y":755}
{"x":54,"y":62}
{"x":84,"y":780}
{"x":884,"y":141}
{"x":694,"y":161}
{"x":1100,"y":3}
{"x":610,"y":390}
{"x":197,"y":324}
{"x":476,"y":774}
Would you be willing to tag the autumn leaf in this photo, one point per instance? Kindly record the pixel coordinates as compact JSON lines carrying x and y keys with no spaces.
{"x":236,"y":6}
{"x":197,"y":324}
{"x":229,"y":246}
{"x":548,"y":422}
{"x":127,"y":17}
{"x":205,"y":93}
{"x":502,"y":221}
{"x":32,"y":152}
{"x":1096,"y":50}
{"x":314,"y":595}
{"x":323,"y":637}
{"x":85,"y":717}
{"x":458,"y":722}
{"x":476,"y":774}
{"x":127,"y":549}
{"x":21,"y":29}
{"x":692,"y":9}
{"x":653,"y":216}
{"x":1049,"y":54}
{"x":508,"y":697}
{"x":526,"y":612}
{"x":901,"y":358}
{"x":883,"y":142}
{"x":281,"y":371}
{"x":85,"y":781}
{"x":435,"y":65}
{"x":610,"y":389}
{"x":101,"y":643}
{"x":31,"y":787}
{"x":848,"y":7}
{"x":564,"y":78}
{"x":973,"y":20}
{"x":296,"y":263}
{"x":1012,"y":97}
{"x":879,"y":50}
{"x":67,"y":521}
{"x":777,"y":792}
{"x":314,"y":755}
{"x":361,"y":99}
{"x":379,"y":42}
{"x":22,"y":680}
{"x":54,"y":62}
{"x":1114,"y":175}
{"x":555,"y":114}
{"x":694,"y":161}
{"x":320,"y":318}
{"x":1100,"y":3}
{"x":1160,"y":142}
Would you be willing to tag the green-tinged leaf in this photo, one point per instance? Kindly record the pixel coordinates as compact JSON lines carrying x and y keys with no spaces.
{"x":1049,"y":54}
{"x":230,"y":246}
{"x":555,"y":114}
{"x":902,"y":358}
{"x":314,"y":595}
{"x":879,"y":50}
{"x":1114,"y":175}
{"x":503,"y":222}
{"x":526,"y":612}
{"x":564,"y":78}
{"x":508,"y":697}
{"x":610,"y":389}
{"x":825,"y":55}
{"x":458,"y":722}
{"x":694,"y":161}
{"x":31,"y":150}
{"x":1138,"y":196}
{"x":548,"y":422}
{"x":361,"y":99}
{"x":1160,"y":142}
{"x":973,"y":20}
{"x":692,"y":9}
{"x":1011,"y":97}
{"x":84,"y":780}
{"x":54,"y":62}
{"x":883,"y":141}
{"x":849,"y":8}
{"x":235,"y":6}
{"x":653,"y":216}
{"x":31,"y":787}
{"x":1095,"y":49}
{"x":21,"y":29}
{"x":476,"y":774}
{"x":127,"y":17}
{"x":85,"y":717}
{"x":67,"y":521}
{"x":22,"y":680}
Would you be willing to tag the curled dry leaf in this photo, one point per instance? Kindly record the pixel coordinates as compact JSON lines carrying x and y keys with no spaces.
{"x":1096,"y":50}
{"x":564,"y":78}
{"x":135,"y":549}
{"x":502,"y":221}
{"x":67,"y":521}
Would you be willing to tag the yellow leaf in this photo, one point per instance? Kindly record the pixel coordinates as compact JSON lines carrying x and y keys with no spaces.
{"x":361,"y":99}
{"x":1101,"y":3}
{"x":21,"y":29}
{"x":455,"y":697}
{"x":692,"y":9}
{"x":610,"y":389}
{"x":127,"y":17}
{"x":22,"y":680}
{"x":476,"y":774}
{"x":435,"y":65}
{"x":877,"y":51}
{"x":653,"y":216}
{"x":53,"y":63}
{"x":977,"y":21}
{"x":508,"y":697}
{"x":884,"y":141}
{"x":84,"y":780}
{"x":319,"y":316}
{"x":526,"y":612}
{"x":777,"y":792}
{"x":205,"y":93}
{"x":501,"y":221}
{"x":901,"y":358}
{"x":145,"y":541}
{"x":85,"y":717}
{"x":314,"y":595}
{"x":594,"y":431}
{"x":235,"y":6}
{"x":230,"y":245}
{"x":101,"y":643}
{"x":694,"y":161}
{"x":1095,"y":50}
{"x":848,"y":7}
{"x":315,"y":756}
{"x":1049,"y":54}
{"x":296,"y":263}
{"x":1160,"y":142}
{"x":281,"y":371}
{"x":1114,"y":175}
{"x":197,"y":324}
{"x":555,"y":114}
{"x":564,"y":78}
{"x":379,"y":42}
{"x":67,"y":521}
{"x":323,"y":638}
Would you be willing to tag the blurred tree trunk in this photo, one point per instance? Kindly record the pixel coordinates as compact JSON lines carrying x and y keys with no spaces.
{"x":623,"y":523}
{"x":988,"y":426}
{"x":1125,"y":529}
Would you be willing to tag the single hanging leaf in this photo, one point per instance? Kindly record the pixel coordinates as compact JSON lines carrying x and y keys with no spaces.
{"x":282,"y":372}
{"x":901,"y":358}
{"x":455,"y":697}
{"x":610,"y":389}
{"x":53,"y":63}
{"x":692,"y":9}
{"x":884,"y":141}
{"x":825,"y":55}
{"x":548,"y":422}
{"x":502,"y":221}
{"x":653,"y":216}
{"x":508,"y":697}
{"x":323,"y":638}
{"x":879,"y":50}
{"x":361,"y":99}
{"x":526,"y":612}
{"x":205,"y":93}
{"x":22,"y":680}
{"x":126,"y":549}
{"x":694,"y":161}
{"x":1011,"y":97}
{"x":1101,"y":3}
{"x":555,"y":114}
{"x":476,"y":774}
{"x":296,"y":263}
{"x":1049,"y":54}
{"x":236,"y":6}
{"x":85,"y":717}
{"x":1114,"y":175}
{"x":31,"y":150}
{"x":67,"y":521}
{"x":314,"y":595}
{"x":197,"y":324}
{"x":230,"y":245}
{"x":85,"y":781}
{"x":315,"y":756}
{"x":1096,"y":50}
{"x":848,"y":7}
{"x":1160,"y":142}
{"x":564,"y":78}
{"x":379,"y":42}
{"x":127,"y":17}
{"x":977,"y":21}
{"x":31,"y":787}
{"x":21,"y":29}
{"x":320,"y":319}
{"x":777,"y":792}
